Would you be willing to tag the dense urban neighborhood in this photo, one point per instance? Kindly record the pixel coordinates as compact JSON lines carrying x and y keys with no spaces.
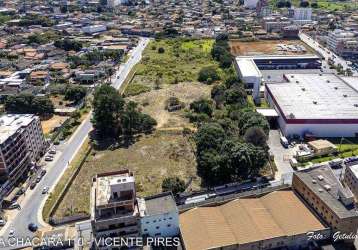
{"x":179,"y":124}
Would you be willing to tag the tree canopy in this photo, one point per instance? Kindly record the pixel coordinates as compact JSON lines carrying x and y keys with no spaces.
{"x":29,"y":104}
{"x":173,"y":184}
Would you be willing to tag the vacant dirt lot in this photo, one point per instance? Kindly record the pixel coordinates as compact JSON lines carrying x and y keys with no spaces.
{"x":265,"y":47}
{"x":50,"y":124}
{"x":153,"y":102}
{"x":151,"y":158}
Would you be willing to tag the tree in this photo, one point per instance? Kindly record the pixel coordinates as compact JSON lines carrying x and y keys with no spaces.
{"x":29,"y":104}
{"x":288,"y":4}
{"x":314,"y":5}
{"x":208,"y":75}
{"x":304,"y":4}
{"x":209,"y":136}
{"x":161,"y":50}
{"x":242,"y":160}
{"x":255,"y":136}
{"x":68,"y":44}
{"x":236,"y":95}
{"x":218,"y":94}
{"x":281,"y":4}
{"x":75,"y":93}
{"x":107,"y":107}
{"x":250,"y":119}
{"x":202,"y":106}
{"x":173,"y":184}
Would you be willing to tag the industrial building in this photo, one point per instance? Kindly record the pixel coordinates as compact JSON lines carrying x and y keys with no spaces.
{"x":248,"y":67}
{"x":276,"y":220}
{"x":324,"y":193}
{"x":320,"y":105}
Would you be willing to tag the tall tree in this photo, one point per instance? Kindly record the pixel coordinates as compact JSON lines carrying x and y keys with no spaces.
{"x":107,"y":107}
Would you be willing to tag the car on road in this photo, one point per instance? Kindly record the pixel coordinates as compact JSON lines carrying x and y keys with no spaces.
{"x":32,"y":227}
{"x":15,"y":206}
{"x":11,"y":233}
{"x":284,"y":142}
{"x":45,"y":190}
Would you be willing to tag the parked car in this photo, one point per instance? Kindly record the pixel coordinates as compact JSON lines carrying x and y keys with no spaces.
{"x":38,"y":178}
{"x":336,"y":163}
{"x":45,"y":190}
{"x":32,"y":227}
{"x":47,"y":158}
{"x":43,"y":172}
{"x":284,"y":142}
{"x":52,"y":152}
{"x":33,"y":185}
{"x":20,"y":192}
{"x":15,"y":206}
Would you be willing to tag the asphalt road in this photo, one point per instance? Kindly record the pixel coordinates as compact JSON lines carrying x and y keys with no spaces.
{"x":34,"y":200}
{"x":324,"y":51}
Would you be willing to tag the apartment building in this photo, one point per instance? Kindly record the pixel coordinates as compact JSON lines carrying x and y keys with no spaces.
{"x":340,"y":41}
{"x":302,"y":14}
{"x":325,"y":194}
{"x":351,"y":179}
{"x":21,"y":142}
{"x":114,"y":208}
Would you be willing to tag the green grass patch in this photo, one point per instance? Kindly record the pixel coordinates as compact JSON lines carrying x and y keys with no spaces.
{"x":136,"y":89}
{"x":325,"y":4}
{"x":181,"y":60}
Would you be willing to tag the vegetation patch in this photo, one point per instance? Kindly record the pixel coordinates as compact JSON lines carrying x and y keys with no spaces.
{"x":136,"y":89}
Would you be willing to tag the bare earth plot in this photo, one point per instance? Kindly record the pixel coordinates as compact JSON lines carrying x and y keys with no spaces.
{"x":266,"y":47}
{"x":153,"y":102}
{"x":151,"y":158}
{"x":50,"y":124}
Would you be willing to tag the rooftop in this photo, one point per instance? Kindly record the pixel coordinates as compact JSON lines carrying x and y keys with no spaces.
{"x":247,"y":220}
{"x":354,"y":170}
{"x":9,"y":124}
{"x":248,"y":67}
{"x":315,"y":96}
{"x":322,"y":181}
{"x":160,"y":204}
{"x":109,"y":187}
{"x":273,"y":57}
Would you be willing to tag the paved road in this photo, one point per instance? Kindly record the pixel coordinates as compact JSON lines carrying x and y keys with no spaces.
{"x":282,"y":155}
{"x":34,"y":200}
{"x":325,"y":51}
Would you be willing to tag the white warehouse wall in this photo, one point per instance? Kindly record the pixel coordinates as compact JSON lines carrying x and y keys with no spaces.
{"x":163,"y":225}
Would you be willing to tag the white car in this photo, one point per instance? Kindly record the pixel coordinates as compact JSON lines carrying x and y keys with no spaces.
{"x":52,"y":152}
{"x":45,"y":190}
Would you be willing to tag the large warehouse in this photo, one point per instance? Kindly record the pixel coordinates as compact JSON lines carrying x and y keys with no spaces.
{"x":322,"y":105}
{"x":276,"y":220}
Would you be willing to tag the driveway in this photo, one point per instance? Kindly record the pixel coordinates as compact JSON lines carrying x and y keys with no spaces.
{"x":281,"y":157}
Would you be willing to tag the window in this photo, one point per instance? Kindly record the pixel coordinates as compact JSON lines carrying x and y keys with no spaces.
{"x":168,"y":225}
{"x":147,"y":222}
{"x":170,"y":218}
{"x":154,"y":221}
{"x":145,"y":230}
{"x":157,"y":227}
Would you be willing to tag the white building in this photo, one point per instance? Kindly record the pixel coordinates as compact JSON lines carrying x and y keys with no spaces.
{"x":250,"y":75}
{"x":323,"y":105}
{"x":302,"y":14}
{"x":160,"y":217}
{"x":251,"y":4}
{"x":94,"y":28}
{"x":336,"y":37}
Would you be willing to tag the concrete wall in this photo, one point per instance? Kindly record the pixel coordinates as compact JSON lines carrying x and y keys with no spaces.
{"x":163,"y":225}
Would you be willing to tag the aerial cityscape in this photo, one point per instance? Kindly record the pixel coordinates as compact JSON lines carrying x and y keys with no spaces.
{"x":179,"y":124}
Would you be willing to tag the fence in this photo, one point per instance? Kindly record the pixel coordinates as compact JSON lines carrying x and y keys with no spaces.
{"x":68,"y":219}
